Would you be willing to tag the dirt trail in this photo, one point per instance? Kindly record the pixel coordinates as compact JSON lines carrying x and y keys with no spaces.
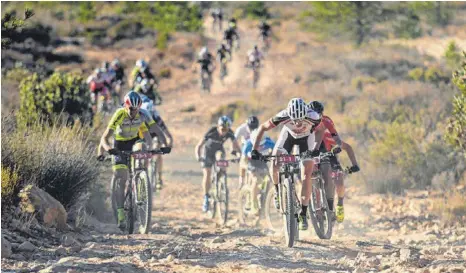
{"x":372,"y":238}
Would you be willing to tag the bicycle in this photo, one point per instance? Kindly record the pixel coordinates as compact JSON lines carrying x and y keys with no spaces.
{"x":322,"y":217}
{"x":219,"y":192}
{"x":247,"y":215}
{"x":138,"y":193}
{"x":205,"y":80}
{"x":290,"y":206}
{"x":223,"y":68}
{"x":255,"y":65}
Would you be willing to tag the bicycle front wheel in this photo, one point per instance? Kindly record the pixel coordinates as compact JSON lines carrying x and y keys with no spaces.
{"x":289,"y":217}
{"x":223,"y":195}
{"x":143,"y":201}
{"x":321,"y":216}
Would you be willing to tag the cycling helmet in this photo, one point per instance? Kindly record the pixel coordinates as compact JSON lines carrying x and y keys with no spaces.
{"x":141,"y":63}
{"x":105,"y":65}
{"x":256,"y":48}
{"x":224,"y":121}
{"x":253,"y":122}
{"x":116,"y":62}
{"x":316,"y":106}
{"x":132,"y":99}
{"x":297,"y":109}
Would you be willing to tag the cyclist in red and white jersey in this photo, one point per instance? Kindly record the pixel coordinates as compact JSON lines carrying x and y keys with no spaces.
{"x":299,"y":128}
{"x":332,"y":141}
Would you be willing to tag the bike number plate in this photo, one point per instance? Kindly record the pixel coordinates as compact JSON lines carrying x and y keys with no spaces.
{"x":221,"y":163}
{"x":142,"y":156}
{"x":287,"y":159}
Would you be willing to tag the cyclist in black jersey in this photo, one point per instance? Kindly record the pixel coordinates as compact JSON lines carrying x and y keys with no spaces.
{"x":212,"y":143}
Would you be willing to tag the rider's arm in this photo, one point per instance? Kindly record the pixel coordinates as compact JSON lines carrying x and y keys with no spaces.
{"x":330,"y":126}
{"x":198,"y":148}
{"x":260,"y":133}
{"x":319,"y":136}
{"x":155,"y":129}
{"x":104,"y":140}
{"x":349,"y":150}
{"x":147,"y":138}
{"x":236,"y":146}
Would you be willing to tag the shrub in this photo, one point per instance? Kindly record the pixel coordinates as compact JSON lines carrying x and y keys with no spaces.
{"x":165,"y":73}
{"x":452,"y":55}
{"x":257,"y":9}
{"x":456,"y":131}
{"x":59,"y":93}
{"x":416,"y":74}
{"x":17,"y":74}
{"x":408,"y":27}
{"x":10,"y":25}
{"x":359,"y":82}
{"x":125,"y":29}
{"x":10,"y":186}
{"x":435,"y":75}
{"x":58,"y":159}
{"x":86,"y":12}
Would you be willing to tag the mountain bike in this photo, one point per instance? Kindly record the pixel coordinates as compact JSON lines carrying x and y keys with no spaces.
{"x":255,"y":65}
{"x":322,"y":217}
{"x":223,"y":68}
{"x":265,"y":42}
{"x":205,"y":80}
{"x":219,"y":193}
{"x":138,"y":193}
{"x":248,"y":214}
{"x":290,"y":206}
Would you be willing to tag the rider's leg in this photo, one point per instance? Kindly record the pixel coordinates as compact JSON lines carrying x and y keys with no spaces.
{"x":329,"y":183}
{"x":242,"y":170}
{"x":206,"y":181}
{"x":340,"y":213}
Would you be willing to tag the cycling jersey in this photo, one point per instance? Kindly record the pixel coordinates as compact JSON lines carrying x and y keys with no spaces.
{"x":266,"y":144}
{"x":264,"y":30}
{"x":242,"y":133}
{"x":222,"y":53}
{"x":329,"y":125}
{"x":126,"y":128}
{"x":230,"y":33}
{"x":214,"y":141}
{"x":205,"y":62}
{"x":297,"y":129}
{"x":137,"y":73}
{"x":255,"y":56}
{"x":328,"y":141}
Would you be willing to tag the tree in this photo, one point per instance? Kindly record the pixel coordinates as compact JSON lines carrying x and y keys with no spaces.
{"x":456,"y":130}
{"x":355,"y":19}
{"x":10,"y":26}
{"x":437,"y":13}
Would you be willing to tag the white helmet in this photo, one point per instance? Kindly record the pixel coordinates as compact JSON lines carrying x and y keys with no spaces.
{"x":141,"y":63}
{"x":297,"y":109}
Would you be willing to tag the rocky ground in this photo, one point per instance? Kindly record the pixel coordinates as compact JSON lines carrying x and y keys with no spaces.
{"x":380,"y":233}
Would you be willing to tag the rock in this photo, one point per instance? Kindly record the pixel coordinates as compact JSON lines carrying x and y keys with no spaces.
{"x":164,"y":250}
{"x":61,"y":251}
{"x":71,"y":271}
{"x":47,"y":208}
{"x":76,"y":248}
{"x":18,"y":257}
{"x":6,"y":248}
{"x":464,"y":254}
{"x":68,"y":240}
{"x":169,"y":259}
{"x":27,"y":247}
{"x":218,"y":240}
{"x":358,"y":270}
{"x":405,"y":254}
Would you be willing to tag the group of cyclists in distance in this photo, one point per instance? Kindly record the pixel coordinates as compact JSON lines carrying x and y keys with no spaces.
{"x":224,"y":53}
{"x":137,"y":125}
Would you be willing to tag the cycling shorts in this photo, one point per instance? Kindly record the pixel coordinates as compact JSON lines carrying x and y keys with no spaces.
{"x":209,"y":157}
{"x":287,"y":142}
{"x":332,"y":160}
{"x":121,"y":162}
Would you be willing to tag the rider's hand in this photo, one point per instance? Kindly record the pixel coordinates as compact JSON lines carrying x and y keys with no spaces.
{"x":200,"y":159}
{"x":336,"y":150}
{"x":354,"y":169}
{"x":113,"y":151}
{"x":101,"y":158}
{"x":314,"y":153}
{"x":255,"y":155}
{"x":166,"y":150}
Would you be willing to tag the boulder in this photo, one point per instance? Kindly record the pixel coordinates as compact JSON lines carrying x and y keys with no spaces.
{"x":6,"y":248}
{"x":47,"y":209}
{"x":27,"y":247}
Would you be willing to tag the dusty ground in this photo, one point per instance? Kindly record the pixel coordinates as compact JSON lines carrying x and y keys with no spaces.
{"x":380,"y":233}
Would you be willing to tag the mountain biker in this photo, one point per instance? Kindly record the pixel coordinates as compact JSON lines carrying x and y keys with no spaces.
{"x":231,"y":34}
{"x":126,"y":123}
{"x":212,"y":143}
{"x":223,"y":55}
{"x":256,"y":167}
{"x":265,"y":31}
{"x":243,"y":134}
{"x":119,"y":71}
{"x":332,"y":141}
{"x":206,"y":60}
{"x":98,"y":86}
{"x":142,"y":71}
{"x":146,"y":87}
{"x":254,"y":57}
{"x":147,"y":104}
{"x":217,"y":16}
{"x":232,"y":23}
{"x":299,"y":128}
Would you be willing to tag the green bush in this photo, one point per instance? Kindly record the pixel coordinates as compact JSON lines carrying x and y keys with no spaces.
{"x":165,"y":73}
{"x":416,"y":74}
{"x":409,"y":26}
{"x":257,"y":9}
{"x":86,"y":12}
{"x":11,"y":185}
{"x":10,"y":26}
{"x":452,"y":55}
{"x":61,"y":92}
{"x":58,"y":159}
{"x":435,"y":75}
{"x":456,"y":131}
{"x":17,"y":74}
{"x":125,"y":29}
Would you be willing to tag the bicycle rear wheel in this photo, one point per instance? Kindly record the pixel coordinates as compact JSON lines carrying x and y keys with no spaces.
{"x":223,"y":195}
{"x":289,"y":217}
{"x":143,"y":202}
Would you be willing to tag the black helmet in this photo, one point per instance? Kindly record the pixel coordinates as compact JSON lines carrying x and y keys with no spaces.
{"x":316,"y":106}
{"x":255,"y":47}
{"x":253,"y":122}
